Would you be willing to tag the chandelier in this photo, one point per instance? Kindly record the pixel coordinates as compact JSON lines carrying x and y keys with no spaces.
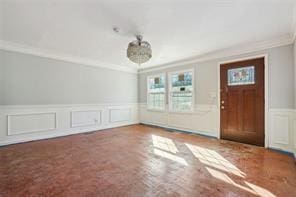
{"x":139,"y":51}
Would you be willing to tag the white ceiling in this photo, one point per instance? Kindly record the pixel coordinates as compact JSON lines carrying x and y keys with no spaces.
{"x":176,"y":29}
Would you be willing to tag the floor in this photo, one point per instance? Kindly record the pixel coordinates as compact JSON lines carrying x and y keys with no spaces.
{"x":143,"y":161}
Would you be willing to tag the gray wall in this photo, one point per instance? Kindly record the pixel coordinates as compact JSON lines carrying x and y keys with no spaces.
{"x":29,"y":80}
{"x":1,"y":79}
{"x":294,"y":76}
{"x":281,"y":77}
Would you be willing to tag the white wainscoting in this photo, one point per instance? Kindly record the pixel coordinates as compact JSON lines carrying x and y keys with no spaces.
{"x":86,"y":118}
{"x":282,"y":129}
{"x":119,"y":114}
{"x":27,"y":123}
{"x":203,"y":120}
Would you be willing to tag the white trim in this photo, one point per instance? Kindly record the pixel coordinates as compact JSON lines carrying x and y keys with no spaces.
{"x":4,"y":107}
{"x":63,"y":120}
{"x":15,"y":47}
{"x":118,"y":109}
{"x":32,"y":131}
{"x":148,"y":92}
{"x":170,"y":87}
{"x":203,"y":133}
{"x":224,"y":53}
{"x":97,"y":123}
{"x":282,"y":110}
{"x":266,"y":93}
{"x":62,"y":133}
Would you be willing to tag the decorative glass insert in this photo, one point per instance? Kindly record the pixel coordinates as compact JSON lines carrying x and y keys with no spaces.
{"x":183,"y":79}
{"x":156,"y":93}
{"x":181,"y":91}
{"x":156,"y":84}
{"x":241,"y":76}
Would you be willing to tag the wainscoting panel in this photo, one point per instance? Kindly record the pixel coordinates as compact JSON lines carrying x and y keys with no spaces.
{"x":85,"y":118}
{"x":119,"y":114}
{"x":27,"y":123}
{"x":282,"y":129}
{"x":153,"y":117}
{"x":202,"y":120}
{"x":281,"y":123}
{"x":179,"y":120}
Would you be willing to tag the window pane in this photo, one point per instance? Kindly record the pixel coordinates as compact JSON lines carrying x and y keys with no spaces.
{"x":181,"y":91}
{"x":156,"y":93}
{"x":241,"y":76}
{"x":181,"y":101}
{"x":156,"y":84}
{"x":156,"y":101}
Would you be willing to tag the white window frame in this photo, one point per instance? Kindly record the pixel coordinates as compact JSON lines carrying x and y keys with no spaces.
{"x":170,"y":91}
{"x":147,"y":92}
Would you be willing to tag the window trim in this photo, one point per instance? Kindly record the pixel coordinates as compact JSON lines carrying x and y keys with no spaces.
{"x":191,"y":110}
{"x":148,"y":92}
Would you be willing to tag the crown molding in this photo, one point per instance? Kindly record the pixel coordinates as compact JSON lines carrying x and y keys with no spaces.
{"x":223,"y":53}
{"x":19,"y":48}
{"x":227,"y":52}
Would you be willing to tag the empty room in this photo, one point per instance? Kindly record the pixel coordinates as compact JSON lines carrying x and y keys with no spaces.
{"x":147,"y":98}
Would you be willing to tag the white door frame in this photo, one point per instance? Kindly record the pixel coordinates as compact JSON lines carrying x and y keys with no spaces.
{"x":266,"y":106}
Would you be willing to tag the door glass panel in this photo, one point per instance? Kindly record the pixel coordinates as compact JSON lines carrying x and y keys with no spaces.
{"x":241,"y":76}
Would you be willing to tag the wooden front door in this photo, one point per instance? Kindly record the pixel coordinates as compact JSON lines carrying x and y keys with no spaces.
{"x":242,"y":101}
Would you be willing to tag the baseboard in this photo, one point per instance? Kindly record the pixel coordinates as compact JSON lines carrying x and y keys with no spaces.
{"x":201,"y":133}
{"x":283,"y":152}
{"x":64,"y":133}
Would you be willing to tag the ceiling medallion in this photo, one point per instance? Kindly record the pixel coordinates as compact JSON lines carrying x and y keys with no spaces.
{"x":139,"y":51}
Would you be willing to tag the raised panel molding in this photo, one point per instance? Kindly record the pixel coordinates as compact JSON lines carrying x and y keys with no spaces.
{"x":282,"y":129}
{"x":280,"y":133}
{"x":34,"y":122}
{"x":203,"y":120}
{"x":86,"y":118}
{"x":178,"y":120}
{"x":26,"y":123}
{"x":30,"y":123}
{"x":119,"y":114}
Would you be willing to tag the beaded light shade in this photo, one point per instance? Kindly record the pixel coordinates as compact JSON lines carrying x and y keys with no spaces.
{"x":139,"y":51}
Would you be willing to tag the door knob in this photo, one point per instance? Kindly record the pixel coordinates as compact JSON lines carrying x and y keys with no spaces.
{"x":222,"y":107}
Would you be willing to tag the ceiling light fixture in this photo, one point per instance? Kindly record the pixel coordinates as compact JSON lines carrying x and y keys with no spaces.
{"x":139,"y":51}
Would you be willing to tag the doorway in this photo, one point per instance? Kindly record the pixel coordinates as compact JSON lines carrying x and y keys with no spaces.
{"x":242,"y":101}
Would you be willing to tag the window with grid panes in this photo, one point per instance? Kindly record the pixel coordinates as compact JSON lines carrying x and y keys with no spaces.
{"x":156,"y":92}
{"x":181,"y":91}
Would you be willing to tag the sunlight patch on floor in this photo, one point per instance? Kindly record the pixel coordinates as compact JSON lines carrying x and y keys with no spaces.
{"x":254,"y":189}
{"x":164,"y":144}
{"x":214,"y":159}
{"x":170,"y":156}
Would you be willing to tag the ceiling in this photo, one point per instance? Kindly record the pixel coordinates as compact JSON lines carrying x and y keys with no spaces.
{"x":176,"y":29}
